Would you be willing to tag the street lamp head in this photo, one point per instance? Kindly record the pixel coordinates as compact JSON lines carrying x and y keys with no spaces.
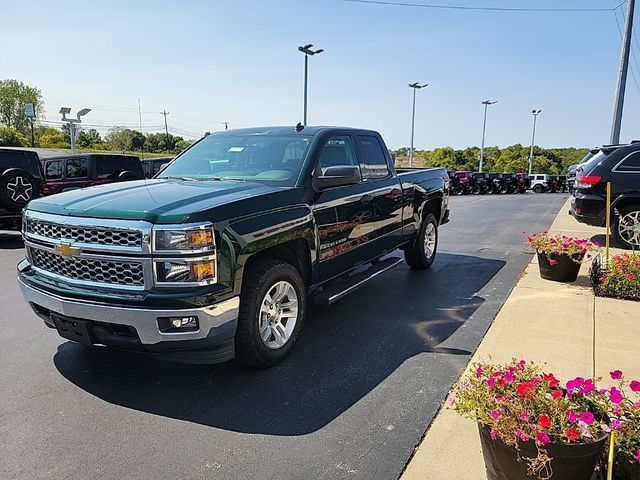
{"x":536,"y":112}
{"x":65,"y":110}
{"x":489,"y":102}
{"x":307,"y":49}
{"x":417,"y":85}
{"x":83,"y":112}
{"x":320,"y":50}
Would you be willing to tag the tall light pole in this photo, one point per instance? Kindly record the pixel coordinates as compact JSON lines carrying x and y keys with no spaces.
{"x":535,"y":114}
{"x":415,"y":86}
{"x":486,"y":104}
{"x":307,"y":53}
{"x":622,"y":76}
{"x":72,"y":123}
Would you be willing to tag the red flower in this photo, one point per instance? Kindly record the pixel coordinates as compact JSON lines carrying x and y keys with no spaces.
{"x":556,"y":394}
{"x":525,"y":389}
{"x":551,"y":380}
{"x":544,"y":421}
{"x":573,"y":434}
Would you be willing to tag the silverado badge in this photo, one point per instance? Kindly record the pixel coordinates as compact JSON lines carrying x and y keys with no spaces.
{"x":67,"y":250}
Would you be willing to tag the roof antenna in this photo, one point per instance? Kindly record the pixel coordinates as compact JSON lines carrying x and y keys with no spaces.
{"x":299,"y":127}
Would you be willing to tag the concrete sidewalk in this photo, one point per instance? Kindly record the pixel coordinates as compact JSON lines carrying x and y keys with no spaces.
{"x":546,"y":322}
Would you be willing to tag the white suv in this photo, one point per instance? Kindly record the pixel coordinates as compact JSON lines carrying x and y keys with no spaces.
{"x":539,"y":182}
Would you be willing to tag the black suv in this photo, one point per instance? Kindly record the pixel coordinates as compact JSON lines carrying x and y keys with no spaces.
{"x":21,"y":180}
{"x":620,"y":165}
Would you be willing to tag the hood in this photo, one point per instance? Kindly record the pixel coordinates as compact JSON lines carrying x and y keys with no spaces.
{"x":156,"y":201}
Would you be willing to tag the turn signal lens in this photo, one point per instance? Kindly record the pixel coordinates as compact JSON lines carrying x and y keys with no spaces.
{"x":201,"y":237}
{"x":203,"y":271}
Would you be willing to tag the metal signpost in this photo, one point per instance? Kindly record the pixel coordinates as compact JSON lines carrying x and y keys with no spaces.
{"x":30,"y":113}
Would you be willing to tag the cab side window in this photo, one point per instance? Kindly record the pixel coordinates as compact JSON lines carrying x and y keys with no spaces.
{"x":373,"y":163}
{"x":77,"y":168}
{"x":338,"y":150}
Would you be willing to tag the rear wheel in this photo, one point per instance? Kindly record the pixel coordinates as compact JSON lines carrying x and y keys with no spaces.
{"x":272,"y":311}
{"x":537,"y":189}
{"x":626,"y":229}
{"x":422,"y":253}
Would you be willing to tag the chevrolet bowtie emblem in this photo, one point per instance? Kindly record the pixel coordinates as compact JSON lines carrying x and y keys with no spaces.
{"x":67,"y":250}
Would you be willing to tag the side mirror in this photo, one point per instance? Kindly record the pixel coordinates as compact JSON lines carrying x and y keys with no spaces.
{"x":336,"y":176}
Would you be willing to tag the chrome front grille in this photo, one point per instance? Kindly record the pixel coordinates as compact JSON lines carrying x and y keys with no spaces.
{"x":90,"y":235}
{"x":112,"y":272}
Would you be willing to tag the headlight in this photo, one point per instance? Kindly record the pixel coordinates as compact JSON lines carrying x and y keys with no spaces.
{"x":185,"y":272}
{"x":183,"y":239}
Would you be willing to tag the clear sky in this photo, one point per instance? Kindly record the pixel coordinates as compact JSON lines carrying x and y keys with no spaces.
{"x":237,"y":61}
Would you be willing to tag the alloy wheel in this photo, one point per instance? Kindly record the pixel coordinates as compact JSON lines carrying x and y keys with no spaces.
{"x":430,"y":237}
{"x":629,"y":228}
{"x":19,"y":189}
{"x":278,"y":315}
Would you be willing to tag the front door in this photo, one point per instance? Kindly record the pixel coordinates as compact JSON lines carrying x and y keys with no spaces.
{"x":345,"y":216}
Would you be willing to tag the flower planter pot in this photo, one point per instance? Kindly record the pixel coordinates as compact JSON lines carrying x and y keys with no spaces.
{"x":564,"y":268}
{"x":626,"y":468}
{"x":569,"y":461}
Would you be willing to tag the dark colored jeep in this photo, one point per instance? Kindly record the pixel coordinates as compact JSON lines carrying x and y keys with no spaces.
{"x":152,"y":166}
{"x":620,"y":165}
{"x":511,"y":182}
{"x":68,"y":172}
{"x":481,"y":183}
{"x":21,"y":180}
{"x":497,"y":183}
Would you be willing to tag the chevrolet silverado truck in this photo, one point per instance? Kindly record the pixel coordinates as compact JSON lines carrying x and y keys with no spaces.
{"x":217,"y":256}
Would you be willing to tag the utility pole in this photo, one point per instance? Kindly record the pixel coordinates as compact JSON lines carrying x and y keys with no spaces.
{"x":535,"y":114}
{"x":166,"y":128}
{"x":140,"y":120}
{"x":415,"y":86}
{"x":486,"y":104}
{"x":307,"y":53}
{"x":622,"y":76}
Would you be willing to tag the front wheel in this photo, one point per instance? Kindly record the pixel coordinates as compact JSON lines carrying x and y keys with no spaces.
{"x":537,"y":189}
{"x":626,"y":228}
{"x":272,"y":311}
{"x":421,"y":254}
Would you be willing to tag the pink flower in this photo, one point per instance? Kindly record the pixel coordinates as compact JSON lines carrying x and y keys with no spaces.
{"x":509,"y":377}
{"x":521,"y":364}
{"x":616,"y":374}
{"x":588,"y":387}
{"x":524,"y":416}
{"x":495,"y":414}
{"x":635,"y":385}
{"x":575,"y":383}
{"x":631,"y":276}
{"x":637,"y":455}
{"x":493,"y":434}
{"x":553,"y":262}
{"x":615,"y":396}
{"x":572,"y":417}
{"x":587,"y":417}
{"x":491,"y":382}
{"x":542,"y":438}
{"x":616,"y":424}
{"x":479,"y":371}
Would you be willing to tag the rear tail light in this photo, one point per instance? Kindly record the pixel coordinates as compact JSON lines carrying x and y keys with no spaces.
{"x":587,"y":181}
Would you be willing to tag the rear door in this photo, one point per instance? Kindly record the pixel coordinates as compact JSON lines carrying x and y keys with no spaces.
{"x":76,"y":173}
{"x":385,"y":190}
{"x":345,"y":216}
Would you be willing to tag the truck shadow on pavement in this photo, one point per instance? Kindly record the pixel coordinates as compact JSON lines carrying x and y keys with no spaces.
{"x":344,"y":352}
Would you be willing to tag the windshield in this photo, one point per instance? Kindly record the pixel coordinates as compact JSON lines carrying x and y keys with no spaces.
{"x":251,"y":157}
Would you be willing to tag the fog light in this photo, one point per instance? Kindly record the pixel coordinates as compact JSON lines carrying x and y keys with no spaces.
{"x":178,"y":324}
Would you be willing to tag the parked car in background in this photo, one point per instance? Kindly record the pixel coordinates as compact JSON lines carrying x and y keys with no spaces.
{"x":480,"y":183}
{"x":539,"y":182}
{"x":620,"y":165}
{"x":465,"y":181}
{"x":218,"y":256}
{"x":511,"y":182}
{"x":21,"y":180}
{"x":69,"y":172}
{"x":152,"y":166}
{"x":524,"y":182}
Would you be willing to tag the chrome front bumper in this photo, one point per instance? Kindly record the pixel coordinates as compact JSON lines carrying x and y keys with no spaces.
{"x":143,"y":320}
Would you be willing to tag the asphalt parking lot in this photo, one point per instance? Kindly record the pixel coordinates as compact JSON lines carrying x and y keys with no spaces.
{"x":352,"y":401}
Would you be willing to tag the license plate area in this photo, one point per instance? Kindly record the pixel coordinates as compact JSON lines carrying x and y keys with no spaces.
{"x":72,"y":329}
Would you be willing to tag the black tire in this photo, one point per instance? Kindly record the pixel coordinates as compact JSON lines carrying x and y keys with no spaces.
{"x":17,"y":188}
{"x":416,"y":254}
{"x":259,"y":280}
{"x":537,"y":189}
{"x":626,"y":216}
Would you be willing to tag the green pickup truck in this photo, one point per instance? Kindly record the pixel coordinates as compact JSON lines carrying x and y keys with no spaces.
{"x":217,"y":256}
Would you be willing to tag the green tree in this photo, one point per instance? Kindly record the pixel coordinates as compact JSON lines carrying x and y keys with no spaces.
{"x":10,"y":137}
{"x":13,"y":96}
{"x":49,"y":136}
{"x":89,"y":138}
{"x":120,"y":138}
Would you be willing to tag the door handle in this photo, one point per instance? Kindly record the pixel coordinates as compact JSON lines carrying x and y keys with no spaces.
{"x":366,"y":198}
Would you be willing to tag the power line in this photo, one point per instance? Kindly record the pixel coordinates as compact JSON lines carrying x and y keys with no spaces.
{"x":490,"y":9}
{"x":633,"y":55}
